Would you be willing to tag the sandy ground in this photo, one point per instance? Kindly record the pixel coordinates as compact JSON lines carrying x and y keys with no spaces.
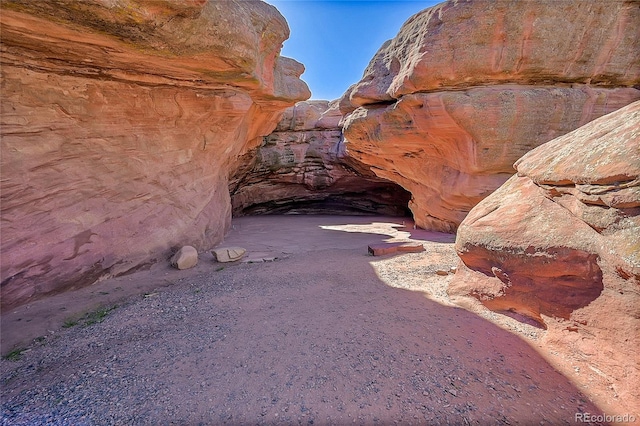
{"x":320,"y":333}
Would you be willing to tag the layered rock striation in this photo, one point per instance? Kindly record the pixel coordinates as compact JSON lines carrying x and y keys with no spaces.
{"x":468,"y":87}
{"x":560,"y":243}
{"x":302,"y":168}
{"x":121,"y":123}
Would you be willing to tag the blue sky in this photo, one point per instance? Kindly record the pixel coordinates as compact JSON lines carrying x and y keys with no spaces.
{"x":336,"y":39}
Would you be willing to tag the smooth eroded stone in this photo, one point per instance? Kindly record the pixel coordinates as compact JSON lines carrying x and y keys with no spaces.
{"x":559,"y":243}
{"x":185,"y":258}
{"x":451,"y":149}
{"x":121,"y":124}
{"x":472,"y":43}
{"x":466,"y":88}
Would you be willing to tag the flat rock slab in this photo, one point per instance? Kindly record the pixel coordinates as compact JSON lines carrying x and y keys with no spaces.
{"x":392,"y":248}
{"x":228,"y":254}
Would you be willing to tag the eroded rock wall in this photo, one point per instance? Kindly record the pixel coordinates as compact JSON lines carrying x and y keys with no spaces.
{"x":560,"y":243}
{"x":302,"y":168}
{"x":467,"y":87}
{"x":121,"y":123}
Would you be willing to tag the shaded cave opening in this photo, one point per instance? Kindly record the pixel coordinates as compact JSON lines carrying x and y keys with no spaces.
{"x":304,"y":168}
{"x":380,"y":199}
{"x":306,"y":173}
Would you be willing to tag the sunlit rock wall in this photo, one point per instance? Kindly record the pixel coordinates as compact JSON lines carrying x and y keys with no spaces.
{"x":467,"y":87}
{"x":121,"y":123}
{"x":560,"y":243}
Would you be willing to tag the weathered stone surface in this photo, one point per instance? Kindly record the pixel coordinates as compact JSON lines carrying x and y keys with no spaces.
{"x":452,"y":149}
{"x":475,"y":43}
{"x":302,"y":168}
{"x":228,"y":254}
{"x":393,"y":248}
{"x":121,"y":123}
{"x":560,"y":243}
{"x":466,"y":88}
{"x":310,"y":115}
{"x":185,"y":258}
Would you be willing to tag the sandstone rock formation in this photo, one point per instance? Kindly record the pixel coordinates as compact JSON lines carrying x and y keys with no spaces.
{"x":560,"y":243}
{"x":121,"y":121}
{"x":302,"y":168}
{"x":466,"y":88}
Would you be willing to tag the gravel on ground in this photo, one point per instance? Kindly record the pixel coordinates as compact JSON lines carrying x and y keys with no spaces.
{"x":324,"y":335}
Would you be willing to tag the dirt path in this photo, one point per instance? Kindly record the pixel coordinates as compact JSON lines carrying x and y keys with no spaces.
{"x":325,"y":334}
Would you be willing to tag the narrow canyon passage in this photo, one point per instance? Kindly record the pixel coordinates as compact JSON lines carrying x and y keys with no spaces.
{"x":132,"y":131}
{"x":325,"y":334}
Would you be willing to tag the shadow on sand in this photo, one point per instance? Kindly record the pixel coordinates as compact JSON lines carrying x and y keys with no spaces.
{"x":316,"y":338}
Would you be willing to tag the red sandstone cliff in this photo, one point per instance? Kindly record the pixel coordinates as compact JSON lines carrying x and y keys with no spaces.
{"x":560,"y":243}
{"x":121,"y":121}
{"x":468,"y":87}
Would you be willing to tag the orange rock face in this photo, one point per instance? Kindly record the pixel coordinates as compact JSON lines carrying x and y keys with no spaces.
{"x":560,"y":243}
{"x":477,"y":43}
{"x":121,"y":124}
{"x":467,"y":88}
{"x":302,"y":168}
